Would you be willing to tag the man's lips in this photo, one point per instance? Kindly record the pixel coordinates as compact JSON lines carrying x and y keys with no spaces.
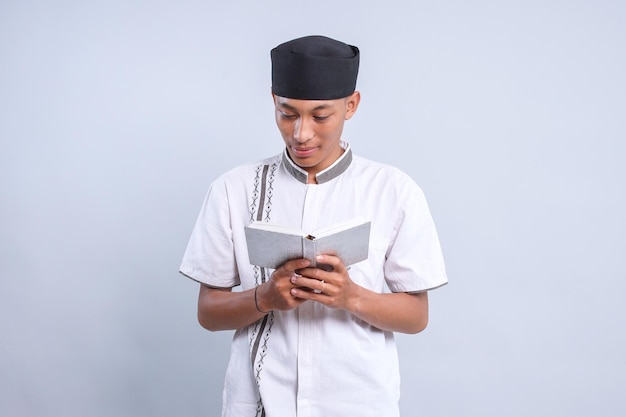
{"x":303,"y":152}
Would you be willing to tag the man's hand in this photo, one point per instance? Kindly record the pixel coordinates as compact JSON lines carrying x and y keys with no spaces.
{"x":332,"y":288}
{"x":276,"y":293}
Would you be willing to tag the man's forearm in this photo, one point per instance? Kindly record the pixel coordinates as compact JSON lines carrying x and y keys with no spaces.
{"x":223,"y":309}
{"x":398,"y":312}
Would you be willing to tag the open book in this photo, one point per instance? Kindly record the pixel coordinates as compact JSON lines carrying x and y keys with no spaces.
{"x":271,"y":245}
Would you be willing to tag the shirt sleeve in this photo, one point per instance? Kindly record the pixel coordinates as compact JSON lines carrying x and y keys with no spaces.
{"x":210,"y":256}
{"x":415,"y":261}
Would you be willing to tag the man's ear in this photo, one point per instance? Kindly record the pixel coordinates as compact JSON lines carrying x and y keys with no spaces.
{"x":352,"y":103}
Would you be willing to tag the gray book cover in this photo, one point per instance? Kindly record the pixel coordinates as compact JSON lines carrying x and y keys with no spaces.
{"x":271,"y":245}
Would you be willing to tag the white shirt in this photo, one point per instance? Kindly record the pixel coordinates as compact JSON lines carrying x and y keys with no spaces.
{"x":314,"y":360}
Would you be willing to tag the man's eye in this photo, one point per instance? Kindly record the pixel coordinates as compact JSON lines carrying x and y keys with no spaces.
{"x":320,"y":118}
{"x":287,"y":116}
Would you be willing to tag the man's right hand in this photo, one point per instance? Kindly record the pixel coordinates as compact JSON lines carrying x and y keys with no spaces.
{"x":275,"y":294}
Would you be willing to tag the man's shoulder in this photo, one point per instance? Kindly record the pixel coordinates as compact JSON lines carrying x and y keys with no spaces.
{"x":245,"y":170}
{"x":365,"y":166}
{"x":387,"y":182}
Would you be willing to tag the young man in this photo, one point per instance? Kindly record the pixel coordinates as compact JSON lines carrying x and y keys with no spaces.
{"x":311,"y":342}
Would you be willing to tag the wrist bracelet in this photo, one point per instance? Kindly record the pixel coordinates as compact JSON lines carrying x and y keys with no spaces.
{"x":256,"y":303}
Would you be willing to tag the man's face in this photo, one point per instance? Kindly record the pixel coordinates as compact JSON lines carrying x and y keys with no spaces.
{"x":312,"y":129}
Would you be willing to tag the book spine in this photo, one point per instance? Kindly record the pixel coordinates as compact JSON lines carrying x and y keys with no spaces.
{"x":308,"y":250}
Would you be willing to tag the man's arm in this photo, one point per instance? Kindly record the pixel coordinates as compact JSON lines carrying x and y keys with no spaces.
{"x":398,"y":312}
{"x":223,"y":309}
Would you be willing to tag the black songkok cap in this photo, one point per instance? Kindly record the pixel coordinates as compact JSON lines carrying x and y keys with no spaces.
{"x":314,"y":68}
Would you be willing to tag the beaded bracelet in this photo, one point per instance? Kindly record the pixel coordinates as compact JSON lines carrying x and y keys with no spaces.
{"x":256,"y":303}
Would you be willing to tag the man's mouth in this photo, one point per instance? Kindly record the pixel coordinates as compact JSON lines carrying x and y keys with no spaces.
{"x":302,"y":152}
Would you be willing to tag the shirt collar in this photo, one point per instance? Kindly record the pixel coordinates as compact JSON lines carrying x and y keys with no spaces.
{"x":337,"y":168}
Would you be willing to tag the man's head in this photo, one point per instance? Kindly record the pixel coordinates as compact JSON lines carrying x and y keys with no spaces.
{"x":314,"y":91}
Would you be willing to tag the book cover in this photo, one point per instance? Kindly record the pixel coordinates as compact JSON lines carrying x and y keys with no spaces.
{"x":271,"y":245}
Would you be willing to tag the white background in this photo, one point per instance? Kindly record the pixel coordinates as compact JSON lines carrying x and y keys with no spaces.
{"x":116,"y":115}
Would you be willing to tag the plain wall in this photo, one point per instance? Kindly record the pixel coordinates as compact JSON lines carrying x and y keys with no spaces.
{"x":115,"y":117}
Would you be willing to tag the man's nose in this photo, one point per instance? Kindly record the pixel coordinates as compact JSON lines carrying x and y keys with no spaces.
{"x":303,"y":130}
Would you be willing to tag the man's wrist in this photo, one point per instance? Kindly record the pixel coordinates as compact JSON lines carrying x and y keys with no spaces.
{"x":256,"y":302}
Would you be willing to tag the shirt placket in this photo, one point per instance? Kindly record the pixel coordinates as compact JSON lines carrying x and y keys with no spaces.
{"x":309,"y":334}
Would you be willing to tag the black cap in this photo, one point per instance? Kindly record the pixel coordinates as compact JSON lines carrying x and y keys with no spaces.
{"x":314,"y":68}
